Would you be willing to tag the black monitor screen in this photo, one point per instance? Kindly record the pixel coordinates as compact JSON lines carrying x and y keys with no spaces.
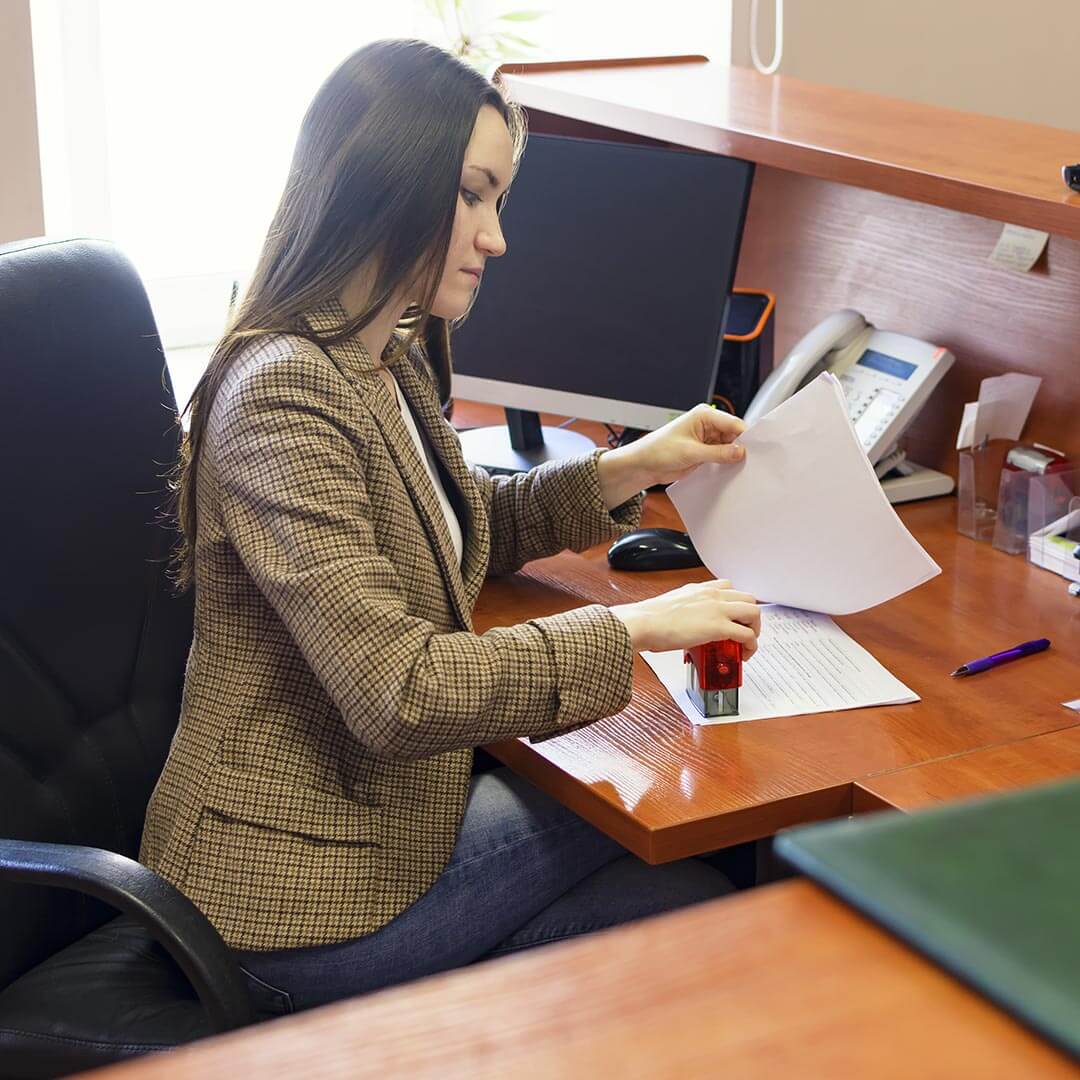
{"x":619,"y":262}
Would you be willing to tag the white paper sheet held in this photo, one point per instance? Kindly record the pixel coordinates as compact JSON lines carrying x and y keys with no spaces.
{"x":804,"y":664}
{"x":802,"y":520}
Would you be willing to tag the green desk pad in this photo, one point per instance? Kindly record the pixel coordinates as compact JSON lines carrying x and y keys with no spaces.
{"x":989,"y":889}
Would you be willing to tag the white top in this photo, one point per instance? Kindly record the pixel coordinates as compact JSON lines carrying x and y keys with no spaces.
{"x":427,"y":456}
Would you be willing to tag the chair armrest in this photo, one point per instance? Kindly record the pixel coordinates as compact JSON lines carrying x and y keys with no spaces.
{"x":174,"y":921}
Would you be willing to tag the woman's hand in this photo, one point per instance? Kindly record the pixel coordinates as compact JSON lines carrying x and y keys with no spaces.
{"x":703,"y":434}
{"x":692,"y":615}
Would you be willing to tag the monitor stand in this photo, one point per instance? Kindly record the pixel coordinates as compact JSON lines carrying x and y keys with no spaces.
{"x":522,"y":444}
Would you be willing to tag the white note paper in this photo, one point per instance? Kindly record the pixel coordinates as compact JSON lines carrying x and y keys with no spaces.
{"x":802,"y":520}
{"x":1001,"y":411}
{"x":1018,"y":248}
{"x":969,"y":433}
{"x":1004,"y":404}
{"x":804,"y":664}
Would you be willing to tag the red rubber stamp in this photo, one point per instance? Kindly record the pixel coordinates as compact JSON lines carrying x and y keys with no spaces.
{"x":713,"y":677}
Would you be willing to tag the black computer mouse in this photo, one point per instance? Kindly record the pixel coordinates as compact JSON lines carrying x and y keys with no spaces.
{"x":653,"y":549}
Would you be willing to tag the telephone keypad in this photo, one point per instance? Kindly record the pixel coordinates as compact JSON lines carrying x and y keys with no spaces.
{"x":872,"y":406}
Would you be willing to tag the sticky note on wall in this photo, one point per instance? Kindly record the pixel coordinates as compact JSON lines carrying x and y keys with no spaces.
{"x":1018,"y":248}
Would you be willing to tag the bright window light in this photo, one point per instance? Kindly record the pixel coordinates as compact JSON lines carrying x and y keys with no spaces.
{"x":168,"y":128}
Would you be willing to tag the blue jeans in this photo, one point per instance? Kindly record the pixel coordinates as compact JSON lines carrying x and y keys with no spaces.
{"x":525,"y":871}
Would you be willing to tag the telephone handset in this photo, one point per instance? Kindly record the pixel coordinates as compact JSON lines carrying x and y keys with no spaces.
{"x":886,"y":378}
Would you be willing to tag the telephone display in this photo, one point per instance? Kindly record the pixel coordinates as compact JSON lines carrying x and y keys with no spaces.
{"x":888,"y":364}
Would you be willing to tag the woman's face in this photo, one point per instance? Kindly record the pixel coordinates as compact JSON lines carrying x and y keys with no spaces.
{"x":476,"y":235}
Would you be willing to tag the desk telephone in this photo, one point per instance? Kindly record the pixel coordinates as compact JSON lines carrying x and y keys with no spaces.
{"x":886,"y":378}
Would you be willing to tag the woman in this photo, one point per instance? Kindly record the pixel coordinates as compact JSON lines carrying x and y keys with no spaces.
{"x":318,"y":803}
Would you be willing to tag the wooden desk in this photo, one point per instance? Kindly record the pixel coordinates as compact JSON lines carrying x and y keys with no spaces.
{"x":869,"y":202}
{"x":666,"y":789}
{"x":1038,"y":760}
{"x":887,"y":206}
{"x":780,"y":982}
{"x":1003,"y":169}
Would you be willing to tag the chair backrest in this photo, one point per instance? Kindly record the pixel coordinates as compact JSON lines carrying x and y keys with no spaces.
{"x":92,"y":641}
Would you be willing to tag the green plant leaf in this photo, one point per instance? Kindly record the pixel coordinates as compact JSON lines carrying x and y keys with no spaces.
{"x":514,"y":39}
{"x":523,"y":16}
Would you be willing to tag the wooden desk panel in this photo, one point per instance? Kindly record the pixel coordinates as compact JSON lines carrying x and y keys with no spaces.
{"x":1055,"y":756}
{"x":778,"y":982}
{"x":819,"y":243}
{"x":1002,"y":169}
{"x":666,"y":789}
{"x":926,"y":272}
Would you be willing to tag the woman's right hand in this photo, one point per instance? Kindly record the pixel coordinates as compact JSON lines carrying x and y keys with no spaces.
{"x":692,"y":615}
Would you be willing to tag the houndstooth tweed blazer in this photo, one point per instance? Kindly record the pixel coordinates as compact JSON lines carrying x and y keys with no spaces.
{"x":335,"y":686}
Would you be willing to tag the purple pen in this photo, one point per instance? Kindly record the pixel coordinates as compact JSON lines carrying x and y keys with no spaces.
{"x":973,"y":667}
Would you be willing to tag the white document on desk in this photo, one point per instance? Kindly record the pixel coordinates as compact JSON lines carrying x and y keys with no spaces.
{"x":804,"y":664}
{"x":802,"y":520}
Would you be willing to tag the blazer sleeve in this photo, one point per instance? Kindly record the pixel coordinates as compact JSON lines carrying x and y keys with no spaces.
{"x":549,"y":509}
{"x":295,"y":507}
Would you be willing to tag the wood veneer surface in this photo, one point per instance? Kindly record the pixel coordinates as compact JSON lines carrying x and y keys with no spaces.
{"x":1001,"y":169}
{"x":823,"y":233}
{"x":1041,"y":759}
{"x":923,"y":271}
{"x":666,"y":789}
{"x":777,"y":982}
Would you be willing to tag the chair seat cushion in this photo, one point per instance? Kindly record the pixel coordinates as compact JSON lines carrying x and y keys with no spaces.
{"x":113,"y":994}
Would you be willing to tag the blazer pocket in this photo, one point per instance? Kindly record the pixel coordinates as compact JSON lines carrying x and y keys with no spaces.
{"x":275,"y":866}
{"x":274,"y":803}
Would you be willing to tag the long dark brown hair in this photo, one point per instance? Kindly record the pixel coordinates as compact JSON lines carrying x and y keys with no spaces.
{"x":373,"y":182}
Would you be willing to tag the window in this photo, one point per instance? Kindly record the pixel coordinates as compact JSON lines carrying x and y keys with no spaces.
{"x":169,"y":128}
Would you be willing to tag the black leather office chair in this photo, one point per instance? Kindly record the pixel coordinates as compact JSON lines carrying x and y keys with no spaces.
{"x":92,"y":652}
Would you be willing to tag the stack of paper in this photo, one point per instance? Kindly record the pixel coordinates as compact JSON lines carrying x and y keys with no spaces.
{"x":1053,"y":547}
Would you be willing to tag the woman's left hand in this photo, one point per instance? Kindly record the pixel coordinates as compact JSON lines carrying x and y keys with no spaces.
{"x":701,"y":435}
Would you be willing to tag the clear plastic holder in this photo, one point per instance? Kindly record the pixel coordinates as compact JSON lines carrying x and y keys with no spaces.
{"x":1011,"y":524}
{"x":978,"y":487}
{"x":1053,"y":522}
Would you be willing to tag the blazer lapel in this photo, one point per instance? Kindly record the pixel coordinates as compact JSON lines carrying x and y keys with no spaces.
{"x":476,"y":553}
{"x":356,"y":364}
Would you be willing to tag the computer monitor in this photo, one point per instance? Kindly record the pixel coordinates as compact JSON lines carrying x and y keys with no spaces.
{"x":611,"y":300}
